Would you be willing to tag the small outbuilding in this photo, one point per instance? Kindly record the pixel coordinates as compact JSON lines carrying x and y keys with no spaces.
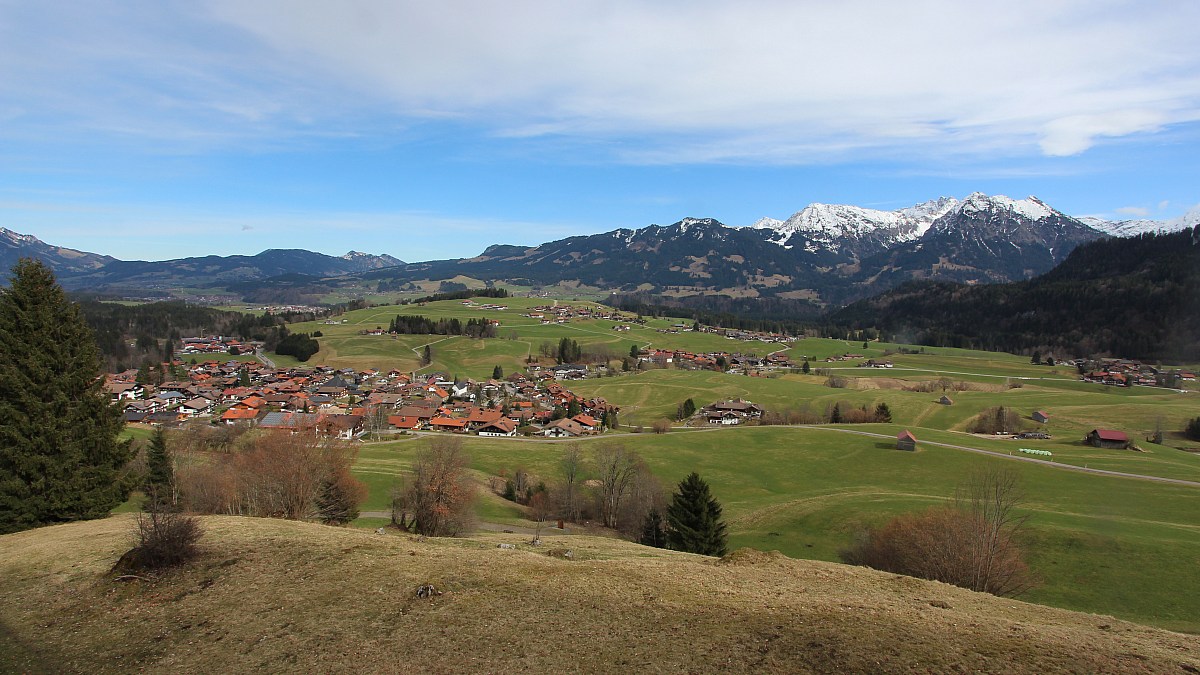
{"x":1108,"y":438}
{"x":1040,"y":417}
{"x":945,"y":400}
{"x":906,"y":441}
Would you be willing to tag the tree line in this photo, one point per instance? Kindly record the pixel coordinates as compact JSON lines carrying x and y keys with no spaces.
{"x":415,"y":324}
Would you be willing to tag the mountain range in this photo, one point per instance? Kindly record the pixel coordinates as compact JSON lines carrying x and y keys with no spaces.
{"x":826,"y":255}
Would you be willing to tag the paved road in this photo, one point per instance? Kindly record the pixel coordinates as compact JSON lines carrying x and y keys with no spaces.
{"x":1020,"y":458}
{"x":870,"y":434}
{"x":258,"y":354}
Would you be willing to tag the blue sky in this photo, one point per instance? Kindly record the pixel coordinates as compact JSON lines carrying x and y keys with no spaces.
{"x":153,"y":130}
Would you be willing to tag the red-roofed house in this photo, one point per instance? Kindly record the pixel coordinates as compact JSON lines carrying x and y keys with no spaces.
{"x":456,"y":425}
{"x":906,"y":441}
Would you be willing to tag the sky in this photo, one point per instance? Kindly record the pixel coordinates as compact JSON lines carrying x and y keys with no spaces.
{"x":430,"y":130}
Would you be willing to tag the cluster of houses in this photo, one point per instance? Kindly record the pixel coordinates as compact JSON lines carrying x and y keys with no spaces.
{"x":563,"y":313}
{"x":288,"y":309}
{"x":346,"y":403}
{"x":1127,"y":372}
{"x":748,"y":335}
{"x":735,"y":362}
{"x":484,"y":305}
{"x":216,"y":344}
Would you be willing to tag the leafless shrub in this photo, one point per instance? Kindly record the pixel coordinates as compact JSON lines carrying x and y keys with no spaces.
{"x":661,"y":426}
{"x":972,"y":543}
{"x":279,"y":475}
{"x":162,"y":539}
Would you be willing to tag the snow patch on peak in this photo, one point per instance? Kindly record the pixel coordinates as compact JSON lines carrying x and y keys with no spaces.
{"x":1132,"y":228}
{"x":766,"y":224}
{"x":1031,"y":207}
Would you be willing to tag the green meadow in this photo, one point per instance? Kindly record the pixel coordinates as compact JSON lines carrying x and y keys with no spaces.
{"x":1099,"y":544}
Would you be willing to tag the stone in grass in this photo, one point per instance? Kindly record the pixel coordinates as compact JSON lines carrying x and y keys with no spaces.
{"x":427,"y":591}
{"x":564,"y":553}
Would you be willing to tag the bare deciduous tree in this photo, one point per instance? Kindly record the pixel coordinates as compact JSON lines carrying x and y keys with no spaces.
{"x":616,"y":469}
{"x":440,"y":491}
{"x":992,"y":496}
{"x":571,"y":485}
{"x":539,"y":513}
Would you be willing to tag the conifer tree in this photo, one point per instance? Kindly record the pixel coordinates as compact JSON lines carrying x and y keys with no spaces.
{"x":60,"y":458}
{"x":653,"y":533}
{"x":160,"y":475}
{"x":695,"y":519}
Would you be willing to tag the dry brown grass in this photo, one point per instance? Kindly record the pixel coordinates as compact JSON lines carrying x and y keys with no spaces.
{"x":278,"y":596}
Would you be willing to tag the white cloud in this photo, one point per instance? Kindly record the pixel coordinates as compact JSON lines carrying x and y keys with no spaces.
{"x":709,"y":81}
{"x":1138,"y":211}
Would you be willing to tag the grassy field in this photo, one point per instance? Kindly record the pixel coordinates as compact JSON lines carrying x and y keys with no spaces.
{"x":808,"y":491}
{"x":276,"y":596}
{"x":519,"y":336}
{"x":1102,"y":544}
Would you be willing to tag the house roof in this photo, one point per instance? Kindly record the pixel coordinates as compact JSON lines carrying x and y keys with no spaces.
{"x":906,"y":435}
{"x":239,"y":414}
{"x":404,"y":421}
{"x":452,"y":422}
{"x":504,"y":425}
{"x":1110,"y":435}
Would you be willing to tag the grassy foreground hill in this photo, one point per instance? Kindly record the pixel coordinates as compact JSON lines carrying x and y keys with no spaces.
{"x":275,"y":596}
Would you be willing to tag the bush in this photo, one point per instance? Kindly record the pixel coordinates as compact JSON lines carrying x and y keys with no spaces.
{"x":1193,"y":429}
{"x":662,"y":426}
{"x":996,"y":420}
{"x":163,"y":539}
{"x":971,"y":544}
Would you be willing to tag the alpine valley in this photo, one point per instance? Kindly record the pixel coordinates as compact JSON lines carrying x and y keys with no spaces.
{"x":822,"y":256}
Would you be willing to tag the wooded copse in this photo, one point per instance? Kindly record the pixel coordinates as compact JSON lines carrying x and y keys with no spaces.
{"x":414,"y":324}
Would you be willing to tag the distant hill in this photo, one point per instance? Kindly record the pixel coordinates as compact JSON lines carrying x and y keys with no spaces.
{"x":1135,"y":297}
{"x":282,"y":596}
{"x":64,"y":261}
{"x":216,"y":270}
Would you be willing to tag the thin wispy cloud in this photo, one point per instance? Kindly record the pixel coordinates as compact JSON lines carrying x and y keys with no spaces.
{"x":780,"y":82}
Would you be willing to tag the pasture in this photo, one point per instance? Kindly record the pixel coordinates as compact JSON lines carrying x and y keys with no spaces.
{"x":1100,"y":544}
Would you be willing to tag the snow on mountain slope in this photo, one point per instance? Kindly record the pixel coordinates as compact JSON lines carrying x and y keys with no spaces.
{"x":832,"y":226}
{"x":1132,"y":228}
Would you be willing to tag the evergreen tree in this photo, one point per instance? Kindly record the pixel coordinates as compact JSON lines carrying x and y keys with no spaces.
{"x":653,"y":533}
{"x":337,"y":504}
{"x":805,"y":368}
{"x":160,"y":475}
{"x":883,"y":413}
{"x":634,"y":352}
{"x":695,"y":519}
{"x":497,"y":373}
{"x":835,"y":415}
{"x":60,"y":459}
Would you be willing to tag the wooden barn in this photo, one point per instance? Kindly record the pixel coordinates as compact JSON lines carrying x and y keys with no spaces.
{"x":906,"y":441}
{"x":1108,"y":438}
{"x":1040,"y":417}
{"x":945,"y":400}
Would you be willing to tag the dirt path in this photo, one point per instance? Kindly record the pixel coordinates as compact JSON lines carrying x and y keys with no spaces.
{"x":548,"y":531}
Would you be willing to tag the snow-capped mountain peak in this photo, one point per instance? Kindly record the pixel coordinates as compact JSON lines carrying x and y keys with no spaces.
{"x":835,"y":226}
{"x":1132,"y":228}
{"x":1030,"y":207}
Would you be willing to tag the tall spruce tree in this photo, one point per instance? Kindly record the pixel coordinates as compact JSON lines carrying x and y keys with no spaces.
{"x":60,"y":457}
{"x":695,"y":519}
{"x":160,"y":475}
